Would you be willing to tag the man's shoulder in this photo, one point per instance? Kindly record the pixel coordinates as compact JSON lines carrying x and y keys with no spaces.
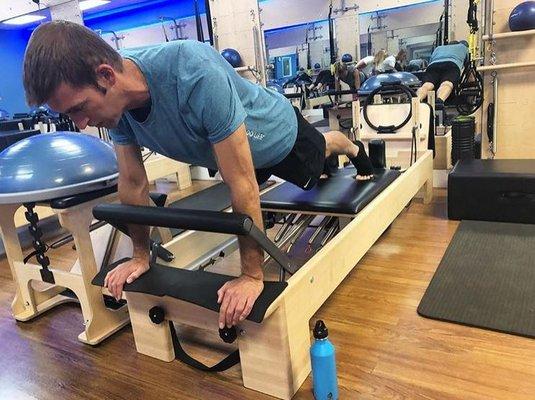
{"x":151,"y":50}
{"x":190,"y":49}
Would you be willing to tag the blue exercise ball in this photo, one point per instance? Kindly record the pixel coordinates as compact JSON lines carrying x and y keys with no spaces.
{"x":233,"y":57}
{"x":406,"y":78}
{"x":52,"y":165}
{"x":347,"y":58}
{"x":372,"y":83}
{"x":522,"y":17}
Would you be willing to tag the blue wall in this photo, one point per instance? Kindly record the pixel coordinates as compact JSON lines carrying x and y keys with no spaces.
{"x":143,"y":14}
{"x":13,"y":42}
{"x":12,"y":46}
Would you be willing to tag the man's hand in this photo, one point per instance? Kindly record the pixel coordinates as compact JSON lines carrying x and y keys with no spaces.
{"x":237,"y":298}
{"x":127,"y":272}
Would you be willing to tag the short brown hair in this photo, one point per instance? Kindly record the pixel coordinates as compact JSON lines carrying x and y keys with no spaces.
{"x":64,"y":52}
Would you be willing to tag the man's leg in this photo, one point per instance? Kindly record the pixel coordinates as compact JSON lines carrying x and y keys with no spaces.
{"x":445,"y":90}
{"x":424,"y":90}
{"x":338,"y":144}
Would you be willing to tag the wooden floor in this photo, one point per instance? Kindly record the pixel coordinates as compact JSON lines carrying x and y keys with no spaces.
{"x":384,"y":349}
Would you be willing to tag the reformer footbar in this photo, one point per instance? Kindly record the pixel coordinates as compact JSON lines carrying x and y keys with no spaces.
{"x":196,"y":287}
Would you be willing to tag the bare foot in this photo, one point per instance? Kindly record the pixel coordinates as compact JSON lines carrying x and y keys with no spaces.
{"x":364,"y":177}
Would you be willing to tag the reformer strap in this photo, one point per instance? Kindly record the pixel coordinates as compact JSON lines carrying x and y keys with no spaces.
{"x":228,"y":362}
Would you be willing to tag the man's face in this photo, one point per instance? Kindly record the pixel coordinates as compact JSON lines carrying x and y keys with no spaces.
{"x":87,"y":105}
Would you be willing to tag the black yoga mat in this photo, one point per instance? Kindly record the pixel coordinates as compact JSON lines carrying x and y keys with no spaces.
{"x":486,"y":279}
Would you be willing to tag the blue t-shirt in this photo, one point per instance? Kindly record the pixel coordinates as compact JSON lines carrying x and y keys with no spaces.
{"x":455,"y":53}
{"x":197,"y":100}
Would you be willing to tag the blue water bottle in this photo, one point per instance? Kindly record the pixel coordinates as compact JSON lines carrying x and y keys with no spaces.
{"x":323,"y":364}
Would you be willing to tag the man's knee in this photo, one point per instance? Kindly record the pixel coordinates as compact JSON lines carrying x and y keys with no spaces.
{"x":447,"y":84}
{"x":428,"y":86}
{"x":425,"y":88}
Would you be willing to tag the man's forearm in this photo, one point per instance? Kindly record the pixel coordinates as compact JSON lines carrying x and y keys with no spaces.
{"x":138,"y":195}
{"x":246,"y":200}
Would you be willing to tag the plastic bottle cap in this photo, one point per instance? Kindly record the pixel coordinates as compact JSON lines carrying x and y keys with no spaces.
{"x":320,"y":330}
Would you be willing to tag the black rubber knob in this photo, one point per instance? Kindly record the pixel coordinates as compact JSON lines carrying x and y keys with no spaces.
{"x":157,"y":315}
{"x":228,"y":335}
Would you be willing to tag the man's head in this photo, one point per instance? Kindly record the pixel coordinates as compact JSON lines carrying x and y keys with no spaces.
{"x":75,"y":71}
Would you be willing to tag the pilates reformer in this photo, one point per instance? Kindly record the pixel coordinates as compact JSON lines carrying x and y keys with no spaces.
{"x":273,"y":342}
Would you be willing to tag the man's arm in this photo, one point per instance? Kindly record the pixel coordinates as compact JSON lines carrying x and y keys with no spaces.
{"x":133,"y":190}
{"x":235,"y":164}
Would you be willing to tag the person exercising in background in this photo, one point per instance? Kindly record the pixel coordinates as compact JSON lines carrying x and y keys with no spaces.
{"x":354,"y":75}
{"x":415,"y":65}
{"x":401,"y":59}
{"x":324,"y":81}
{"x":349,"y":74}
{"x":369,"y":64}
{"x":183,"y":100}
{"x":392,"y":63}
{"x":387,"y":66}
{"x":444,"y":71}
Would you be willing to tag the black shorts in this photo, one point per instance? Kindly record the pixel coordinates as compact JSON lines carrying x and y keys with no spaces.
{"x":303,"y":166}
{"x":441,"y":72}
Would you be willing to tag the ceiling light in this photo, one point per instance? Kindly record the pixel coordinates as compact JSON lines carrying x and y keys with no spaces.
{"x":24,"y":19}
{"x":87,"y":4}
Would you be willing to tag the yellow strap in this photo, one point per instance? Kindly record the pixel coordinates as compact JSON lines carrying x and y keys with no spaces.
{"x":472,"y":45}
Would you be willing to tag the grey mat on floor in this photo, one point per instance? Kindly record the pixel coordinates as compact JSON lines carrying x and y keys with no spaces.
{"x":486,"y":279}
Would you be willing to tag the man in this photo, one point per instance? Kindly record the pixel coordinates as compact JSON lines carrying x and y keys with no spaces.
{"x":444,"y":71}
{"x":184,"y":101}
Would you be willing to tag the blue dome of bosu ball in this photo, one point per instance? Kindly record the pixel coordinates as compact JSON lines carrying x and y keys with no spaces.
{"x":52,"y":165}
{"x":372,"y":83}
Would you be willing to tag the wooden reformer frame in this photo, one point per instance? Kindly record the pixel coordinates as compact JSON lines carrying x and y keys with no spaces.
{"x":274,"y":354}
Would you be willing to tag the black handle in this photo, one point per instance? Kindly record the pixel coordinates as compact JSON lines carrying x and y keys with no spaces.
{"x":293,"y":95}
{"x":196,"y":220}
{"x":206,"y":221}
